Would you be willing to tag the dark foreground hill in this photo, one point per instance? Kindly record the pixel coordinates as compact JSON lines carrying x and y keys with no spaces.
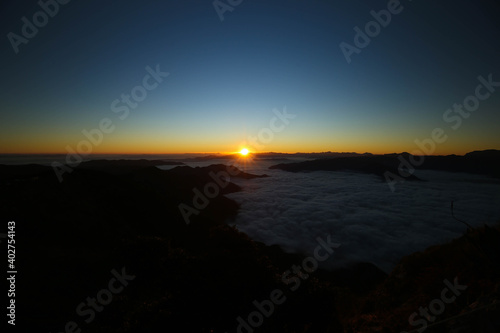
{"x":454,"y":287}
{"x":108,"y":250}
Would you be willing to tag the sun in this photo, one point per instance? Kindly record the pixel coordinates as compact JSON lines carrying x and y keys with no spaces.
{"x":244,"y":152}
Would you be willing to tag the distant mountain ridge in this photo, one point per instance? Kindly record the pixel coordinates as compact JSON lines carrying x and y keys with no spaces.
{"x":486,"y":162}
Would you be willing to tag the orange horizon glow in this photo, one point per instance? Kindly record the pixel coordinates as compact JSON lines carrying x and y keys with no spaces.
{"x":377,"y":152}
{"x":163,"y":146}
{"x":139,"y":150}
{"x":138,"y":143}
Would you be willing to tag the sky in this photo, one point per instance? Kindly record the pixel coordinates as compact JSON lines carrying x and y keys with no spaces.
{"x":267,"y":75}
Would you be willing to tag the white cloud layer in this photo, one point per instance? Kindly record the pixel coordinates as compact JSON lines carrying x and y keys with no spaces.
{"x":359,"y":211}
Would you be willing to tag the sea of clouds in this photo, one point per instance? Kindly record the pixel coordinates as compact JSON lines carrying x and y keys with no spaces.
{"x":359,"y":211}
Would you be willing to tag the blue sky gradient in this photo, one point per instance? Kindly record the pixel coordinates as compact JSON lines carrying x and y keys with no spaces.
{"x":227,"y":76}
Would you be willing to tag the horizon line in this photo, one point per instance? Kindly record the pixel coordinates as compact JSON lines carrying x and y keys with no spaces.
{"x":251,"y":152}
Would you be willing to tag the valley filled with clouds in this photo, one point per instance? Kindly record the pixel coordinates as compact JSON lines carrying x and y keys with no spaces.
{"x":371,"y":223}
